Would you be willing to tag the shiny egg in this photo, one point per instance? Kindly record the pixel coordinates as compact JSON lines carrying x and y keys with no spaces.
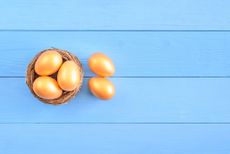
{"x":69,"y":76}
{"x":48,"y":63}
{"x":46,"y":88}
{"x":101,"y":65}
{"x":101,"y":88}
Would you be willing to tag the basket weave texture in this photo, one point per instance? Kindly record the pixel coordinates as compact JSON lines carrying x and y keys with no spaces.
{"x":66,"y":96}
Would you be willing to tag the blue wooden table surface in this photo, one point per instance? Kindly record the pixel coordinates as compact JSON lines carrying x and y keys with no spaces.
{"x":172,"y":81}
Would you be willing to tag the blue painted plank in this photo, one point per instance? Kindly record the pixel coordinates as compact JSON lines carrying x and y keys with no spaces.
{"x":119,"y":14}
{"x":137,"y":100}
{"x":134,"y":53}
{"x":114,"y":139}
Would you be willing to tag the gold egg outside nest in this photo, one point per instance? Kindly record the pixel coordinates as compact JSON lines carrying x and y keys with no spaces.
{"x":48,"y":63}
{"x":69,"y":76}
{"x":101,"y":88}
{"x":46,"y":88}
{"x":101,"y":65}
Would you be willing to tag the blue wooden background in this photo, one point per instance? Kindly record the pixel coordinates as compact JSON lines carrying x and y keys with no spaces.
{"x":173,"y":76}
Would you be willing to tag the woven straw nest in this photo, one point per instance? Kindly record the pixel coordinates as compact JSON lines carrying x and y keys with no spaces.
{"x":66,"y":95}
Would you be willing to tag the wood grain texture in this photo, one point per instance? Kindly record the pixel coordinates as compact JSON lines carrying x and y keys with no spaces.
{"x":115,"y":15}
{"x":137,"y":100}
{"x":140,"y":54}
{"x":172,"y":81}
{"x":122,"y":139}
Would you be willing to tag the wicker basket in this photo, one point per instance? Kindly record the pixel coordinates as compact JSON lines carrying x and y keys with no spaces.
{"x":67,"y":95}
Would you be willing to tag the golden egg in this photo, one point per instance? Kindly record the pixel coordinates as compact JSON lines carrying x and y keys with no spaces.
{"x":101,"y":88}
{"x":69,"y":76}
{"x":101,"y":65}
{"x":47,"y":88}
{"x":48,"y":63}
